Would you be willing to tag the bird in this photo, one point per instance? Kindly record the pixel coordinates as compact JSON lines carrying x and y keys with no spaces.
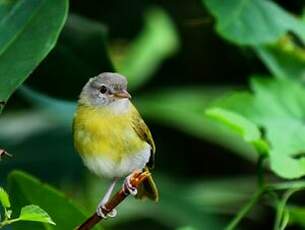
{"x":112,"y":138}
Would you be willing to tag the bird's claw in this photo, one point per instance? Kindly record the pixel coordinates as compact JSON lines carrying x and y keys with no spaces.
{"x":136,"y":177}
{"x":4,"y":153}
{"x":100,"y":211}
{"x":128,"y":188}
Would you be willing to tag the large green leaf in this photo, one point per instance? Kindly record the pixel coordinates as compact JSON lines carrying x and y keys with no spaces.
{"x":25,"y":190}
{"x":278,"y":106}
{"x":29,"y":30}
{"x":284,"y":59}
{"x":253,"y":22}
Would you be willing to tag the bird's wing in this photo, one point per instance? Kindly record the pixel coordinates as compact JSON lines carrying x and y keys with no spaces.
{"x":148,"y":188}
{"x":144,"y":133}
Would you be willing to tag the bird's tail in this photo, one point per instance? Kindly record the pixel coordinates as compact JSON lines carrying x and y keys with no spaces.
{"x":148,"y":189}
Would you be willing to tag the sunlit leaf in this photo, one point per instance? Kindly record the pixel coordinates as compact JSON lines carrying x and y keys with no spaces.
{"x":4,"y":198}
{"x":248,"y":130}
{"x":35,"y":213}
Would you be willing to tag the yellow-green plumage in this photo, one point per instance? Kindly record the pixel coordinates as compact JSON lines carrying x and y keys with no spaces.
{"x":114,"y":138}
{"x":99,"y":131}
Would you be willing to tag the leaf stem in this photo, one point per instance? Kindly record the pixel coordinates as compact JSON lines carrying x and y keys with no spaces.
{"x":260,"y":171}
{"x":245,"y":209}
{"x":7,"y":222}
{"x":280,"y":211}
{"x":299,"y":184}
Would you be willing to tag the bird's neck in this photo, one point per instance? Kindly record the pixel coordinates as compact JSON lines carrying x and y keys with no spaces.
{"x":120,"y":106}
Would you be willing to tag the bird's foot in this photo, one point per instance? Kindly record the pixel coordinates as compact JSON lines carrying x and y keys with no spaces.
{"x":101,"y":210}
{"x":4,"y":153}
{"x":128,"y":188}
{"x":137,"y":177}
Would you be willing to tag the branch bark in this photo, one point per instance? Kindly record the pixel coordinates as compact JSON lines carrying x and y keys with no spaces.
{"x":136,"y":179}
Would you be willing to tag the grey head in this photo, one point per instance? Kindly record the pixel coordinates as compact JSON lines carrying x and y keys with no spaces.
{"x":104,"y":89}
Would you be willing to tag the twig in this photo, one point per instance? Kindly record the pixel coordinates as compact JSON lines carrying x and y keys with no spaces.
{"x":245,"y":209}
{"x":136,"y":179}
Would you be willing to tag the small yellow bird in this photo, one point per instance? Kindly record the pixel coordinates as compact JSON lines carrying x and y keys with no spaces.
{"x":111,"y":137}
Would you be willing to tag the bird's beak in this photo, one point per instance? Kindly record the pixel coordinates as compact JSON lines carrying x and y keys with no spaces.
{"x":122,"y":94}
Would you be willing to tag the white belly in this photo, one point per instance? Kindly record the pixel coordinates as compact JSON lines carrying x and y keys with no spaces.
{"x":105,"y":167}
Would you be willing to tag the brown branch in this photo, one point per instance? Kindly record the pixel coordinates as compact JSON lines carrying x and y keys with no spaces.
{"x":136,"y":179}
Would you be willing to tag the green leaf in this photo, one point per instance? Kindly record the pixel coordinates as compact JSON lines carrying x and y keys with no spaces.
{"x":157,"y":41}
{"x":248,"y":130}
{"x":29,"y":30}
{"x":284,"y":59}
{"x":25,"y":189}
{"x":253,"y":22}
{"x":35,"y":213}
{"x":4,"y":198}
{"x":280,"y":112}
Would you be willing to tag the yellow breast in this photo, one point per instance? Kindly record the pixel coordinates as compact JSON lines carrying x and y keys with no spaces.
{"x":102,"y":132}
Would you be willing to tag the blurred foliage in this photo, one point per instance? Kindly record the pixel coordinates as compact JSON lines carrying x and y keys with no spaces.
{"x":157,"y":41}
{"x":187,"y":81}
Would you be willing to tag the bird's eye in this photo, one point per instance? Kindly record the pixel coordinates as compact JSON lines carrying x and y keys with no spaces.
{"x":103,"y":89}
